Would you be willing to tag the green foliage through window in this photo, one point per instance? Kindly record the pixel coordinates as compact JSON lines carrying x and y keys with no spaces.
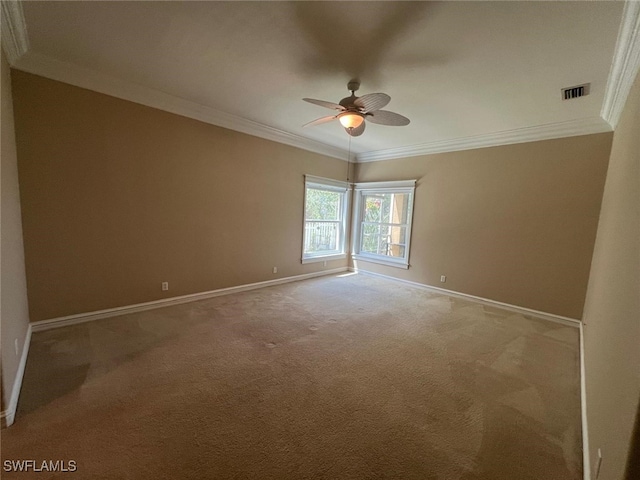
{"x":322,"y":204}
{"x":384,"y":225}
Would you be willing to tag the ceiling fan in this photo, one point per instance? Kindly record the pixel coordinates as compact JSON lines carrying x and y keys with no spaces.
{"x":354,"y":110}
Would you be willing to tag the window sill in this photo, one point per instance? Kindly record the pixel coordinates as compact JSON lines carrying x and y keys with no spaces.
{"x":324,"y":258}
{"x":381,"y":261}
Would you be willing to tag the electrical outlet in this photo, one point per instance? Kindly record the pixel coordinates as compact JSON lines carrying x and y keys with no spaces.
{"x":598,"y":463}
{"x":324,"y":264}
{"x":165,"y":286}
{"x":15,"y":343}
{"x":443,"y":278}
{"x":275,"y":269}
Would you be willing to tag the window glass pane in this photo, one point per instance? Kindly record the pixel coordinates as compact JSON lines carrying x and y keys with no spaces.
{"x":373,"y":208}
{"x":396,"y":241}
{"x":386,"y":208}
{"x":384,"y":240}
{"x":321,"y":236}
{"x":370,"y":238}
{"x":322,"y":205}
{"x":399,"y":204}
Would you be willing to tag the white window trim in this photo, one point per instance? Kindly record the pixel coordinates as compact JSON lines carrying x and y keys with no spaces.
{"x":402,"y":186}
{"x":326,"y":182}
{"x":383,"y":185}
{"x":323,"y":258}
{"x":363,"y":257}
{"x":336,"y":186}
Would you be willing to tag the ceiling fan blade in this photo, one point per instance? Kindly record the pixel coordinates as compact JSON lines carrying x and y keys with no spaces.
{"x":356,"y":132}
{"x":322,"y":103}
{"x":372,"y":101}
{"x":319,"y":121}
{"x":384,"y":117}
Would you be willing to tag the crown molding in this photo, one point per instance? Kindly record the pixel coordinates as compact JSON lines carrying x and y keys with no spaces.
{"x":15,"y":40}
{"x":625,"y":64}
{"x":549,"y":131}
{"x":92,"y":80}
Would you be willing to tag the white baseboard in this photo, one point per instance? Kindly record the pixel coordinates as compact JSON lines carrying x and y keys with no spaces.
{"x":59,"y":322}
{"x":586,"y":458}
{"x":8,"y":416}
{"x":572,"y":322}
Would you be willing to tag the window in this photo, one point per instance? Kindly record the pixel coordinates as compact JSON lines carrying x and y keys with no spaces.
{"x":325,"y":213}
{"x":383,"y":222}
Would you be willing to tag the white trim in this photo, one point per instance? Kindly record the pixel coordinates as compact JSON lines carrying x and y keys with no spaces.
{"x":14,"y":31}
{"x":59,"y":322}
{"x":324,"y":258}
{"x":572,"y":128}
{"x":390,"y":184}
{"x":8,"y":416}
{"x":363,"y":257}
{"x":328,"y":182}
{"x":90,"y":79}
{"x":625,"y":64}
{"x":623,"y":71}
{"x":586,"y":462}
{"x":572,"y":322}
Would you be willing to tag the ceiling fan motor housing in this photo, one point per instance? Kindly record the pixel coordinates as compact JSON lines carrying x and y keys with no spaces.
{"x":348,"y":102}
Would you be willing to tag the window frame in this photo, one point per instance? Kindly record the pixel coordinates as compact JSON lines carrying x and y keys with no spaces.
{"x":331,"y":185}
{"x":369,"y":188}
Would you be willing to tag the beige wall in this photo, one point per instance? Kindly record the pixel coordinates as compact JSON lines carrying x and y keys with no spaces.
{"x":14,"y":315}
{"x":515,"y":223}
{"x":118,"y":197}
{"x":612,"y":308}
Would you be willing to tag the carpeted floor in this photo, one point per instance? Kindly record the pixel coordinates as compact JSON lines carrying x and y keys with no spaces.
{"x":340,"y":377}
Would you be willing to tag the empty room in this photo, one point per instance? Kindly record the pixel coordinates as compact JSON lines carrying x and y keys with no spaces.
{"x":320,"y":240}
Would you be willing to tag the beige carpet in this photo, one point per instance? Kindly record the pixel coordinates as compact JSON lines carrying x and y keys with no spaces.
{"x":342,"y":377}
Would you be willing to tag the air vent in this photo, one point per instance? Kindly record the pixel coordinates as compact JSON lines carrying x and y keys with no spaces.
{"x":578,"y":91}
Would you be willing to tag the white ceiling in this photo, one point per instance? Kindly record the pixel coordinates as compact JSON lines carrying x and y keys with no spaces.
{"x":463,"y":72}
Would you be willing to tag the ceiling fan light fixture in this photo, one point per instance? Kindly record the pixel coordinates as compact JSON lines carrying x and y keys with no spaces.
{"x":351,"y":119}
{"x":353,"y":111}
